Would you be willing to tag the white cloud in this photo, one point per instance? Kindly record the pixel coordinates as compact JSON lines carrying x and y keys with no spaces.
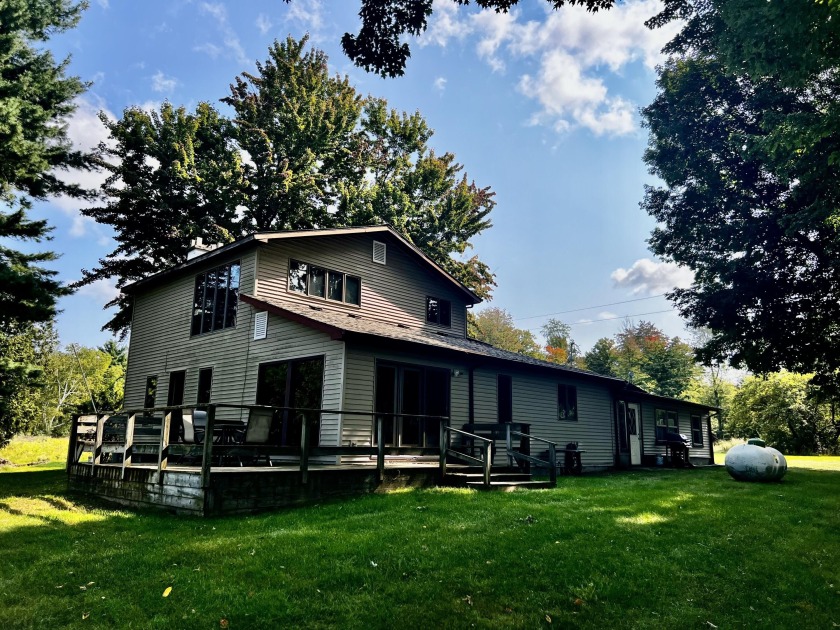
{"x":102,"y":291}
{"x":163,"y":83}
{"x":574,"y":51}
{"x":105,"y":4}
{"x":306,"y":13}
{"x":440,"y":84}
{"x":231,"y":45}
{"x":263,"y":23}
{"x":649,"y":277}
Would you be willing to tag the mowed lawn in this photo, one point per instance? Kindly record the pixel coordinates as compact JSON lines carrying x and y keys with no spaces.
{"x":651,"y":549}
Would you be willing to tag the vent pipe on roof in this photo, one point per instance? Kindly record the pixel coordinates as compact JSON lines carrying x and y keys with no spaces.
{"x":199,"y":247}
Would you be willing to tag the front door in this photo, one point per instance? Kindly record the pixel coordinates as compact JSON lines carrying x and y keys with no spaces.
{"x":406,"y":393}
{"x":633,"y":420}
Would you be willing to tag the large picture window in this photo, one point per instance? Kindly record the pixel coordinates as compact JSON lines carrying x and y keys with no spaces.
{"x":215,"y":299}
{"x":296,"y":384}
{"x":439,"y":311}
{"x":666,"y":422}
{"x":567,"y":402}
{"x":323,"y":283}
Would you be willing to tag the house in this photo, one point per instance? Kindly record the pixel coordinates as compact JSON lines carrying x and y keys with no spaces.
{"x":358,"y":322}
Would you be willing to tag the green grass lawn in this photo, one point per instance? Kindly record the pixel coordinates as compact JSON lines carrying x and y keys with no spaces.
{"x":30,"y":450}
{"x":655,"y":549}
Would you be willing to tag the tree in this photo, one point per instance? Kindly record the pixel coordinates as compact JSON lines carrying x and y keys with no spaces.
{"x":314,"y":154}
{"x":377,"y":46}
{"x":495,"y":327}
{"x":780,"y":409}
{"x":173,"y":176}
{"x":559,"y":345}
{"x":745,"y":134}
{"x":602,"y":358}
{"x":36,"y":99}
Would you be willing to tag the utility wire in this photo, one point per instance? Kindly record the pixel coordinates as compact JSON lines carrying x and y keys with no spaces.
{"x":607,"y":319}
{"x":587,"y":308}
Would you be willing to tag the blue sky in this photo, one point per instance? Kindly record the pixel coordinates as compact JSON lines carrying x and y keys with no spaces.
{"x":540,"y":105}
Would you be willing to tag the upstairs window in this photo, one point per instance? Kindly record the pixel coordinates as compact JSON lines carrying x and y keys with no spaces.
{"x":439,"y":311}
{"x":666,"y":422}
{"x":567,"y":402}
{"x":328,"y":284}
{"x":216,"y":297}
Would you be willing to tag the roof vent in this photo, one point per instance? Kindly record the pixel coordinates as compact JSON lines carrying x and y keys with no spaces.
{"x":379,"y":251}
{"x":260,"y":325}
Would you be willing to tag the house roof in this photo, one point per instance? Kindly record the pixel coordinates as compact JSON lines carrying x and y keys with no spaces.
{"x":340,"y":324}
{"x":266,"y":237}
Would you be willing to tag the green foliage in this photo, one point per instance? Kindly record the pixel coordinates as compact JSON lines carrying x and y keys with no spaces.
{"x":745,"y":134}
{"x":315,"y":154}
{"x":560,"y":347}
{"x":36,"y":97}
{"x":495,"y":327}
{"x":781,"y":409}
{"x":29,"y":450}
{"x":602,"y":358}
{"x":173,"y":176}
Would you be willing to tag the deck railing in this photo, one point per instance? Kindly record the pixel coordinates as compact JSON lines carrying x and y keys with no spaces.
{"x":551,"y":464}
{"x":128,"y":437}
{"x":485,"y":445}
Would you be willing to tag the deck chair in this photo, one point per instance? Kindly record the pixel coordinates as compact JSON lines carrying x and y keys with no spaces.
{"x":258,"y":429}
{"x":189,"y":437}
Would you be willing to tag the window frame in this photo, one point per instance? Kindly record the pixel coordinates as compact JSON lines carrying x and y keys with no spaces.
{"x":327,"y":272}
{"x":698,"y":429}
{"x":662,"y":429}
{"x":227,"y":310}
{"x":198,"y":400}
{"x":563,"y":399}
{"x":439,"y":301}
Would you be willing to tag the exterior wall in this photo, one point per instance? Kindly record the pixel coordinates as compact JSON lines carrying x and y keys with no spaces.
{"x":359,"y":390}
{"x":395,"y":292}
{"x":535,"y":403}
{"x":698,"y":454}
{"x":161,"y":343}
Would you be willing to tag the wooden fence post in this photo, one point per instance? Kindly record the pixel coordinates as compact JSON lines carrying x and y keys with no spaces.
{"x":207,"y":448}
{"x":97,"y":444}
{"x":380,"y":450}
{"x":488,"y":462}
{"x":552,"y":458}
{"x":71,"y":444}
{"x":163,"y":452}
{"x":128,"y":445}
{"x":444,"y":445}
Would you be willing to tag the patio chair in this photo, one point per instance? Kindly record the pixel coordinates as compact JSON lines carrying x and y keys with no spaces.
{"x":259,"y":429}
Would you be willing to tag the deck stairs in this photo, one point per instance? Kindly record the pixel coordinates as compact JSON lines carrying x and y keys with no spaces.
{"x":503,"y":479}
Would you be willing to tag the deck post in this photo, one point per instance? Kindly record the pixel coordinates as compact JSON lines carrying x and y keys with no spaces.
{"x":128,"y":445}
{"x":304,"y":448}
{"x":552,"y":458}
{"x":163,"y":452}
{"x":444,"y":445}
{"x":97,"y":444}
{"x":380,"y":450}
{"x":488,"y":462}
{"x":71,"y":444}
{"x":509,"y":444}
{"x":207,"y":450}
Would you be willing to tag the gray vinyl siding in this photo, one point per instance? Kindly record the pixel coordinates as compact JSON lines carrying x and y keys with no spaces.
{"x":359,"y":391}
{"x":649,"y":445}
{"x":535,"y":403}
{"x":395,"y":292}
{"x":161,"y":343}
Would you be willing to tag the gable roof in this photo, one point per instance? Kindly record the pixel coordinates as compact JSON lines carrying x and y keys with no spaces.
{"x":266,"y":237}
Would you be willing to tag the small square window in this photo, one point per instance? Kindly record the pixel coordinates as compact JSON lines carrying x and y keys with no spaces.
{"x":666,"y":422}
{"x":298,"y":276}
{"x":439,"y":311}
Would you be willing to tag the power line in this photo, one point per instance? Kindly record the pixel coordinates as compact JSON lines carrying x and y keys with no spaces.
{"x":588,"y":308}
{"x":607,"y":319}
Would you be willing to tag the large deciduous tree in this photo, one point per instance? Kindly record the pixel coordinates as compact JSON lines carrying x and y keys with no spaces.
{"x":36,"y":99}
{"x":303,"y":150}
{"x":495,"y":327}
{"x":745,"y":134}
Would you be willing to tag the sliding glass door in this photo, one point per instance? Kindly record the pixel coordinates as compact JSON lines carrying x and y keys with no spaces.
{"x":404,"y":392}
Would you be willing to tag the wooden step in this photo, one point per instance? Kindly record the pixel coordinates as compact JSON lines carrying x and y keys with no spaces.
{"x":475,"y":476}
{"x":510,"y":486}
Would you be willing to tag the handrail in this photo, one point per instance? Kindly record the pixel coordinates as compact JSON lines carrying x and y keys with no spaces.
{"x":551,"y":464}
{"x":486,"y":445}
{"x":533,"y":437}
{"x":469,"y":435}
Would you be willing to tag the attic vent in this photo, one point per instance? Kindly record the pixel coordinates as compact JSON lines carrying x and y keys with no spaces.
{"x":260,"y":325}
{"x":379,"y":251}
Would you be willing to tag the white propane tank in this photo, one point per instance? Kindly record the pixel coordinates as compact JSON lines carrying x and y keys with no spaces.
{"x":749,"y":462}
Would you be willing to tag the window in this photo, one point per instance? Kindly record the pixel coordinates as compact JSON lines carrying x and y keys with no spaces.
{"x":567,"y":402}
{"x":324,"y":283}
{"x":151,"y":392}
{"x":666,"y":422}
{"x":439,"y":311}
{"x":296,"y":384}
{"x":697,"y":430}
{"x":216,"y":296}
{"x":504,"y":398}
{"x":205,"y":385}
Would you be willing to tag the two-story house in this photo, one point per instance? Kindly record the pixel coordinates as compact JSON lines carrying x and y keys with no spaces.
{"x":360,"y":320}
